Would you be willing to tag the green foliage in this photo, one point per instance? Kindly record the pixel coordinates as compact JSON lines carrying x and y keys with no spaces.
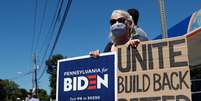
{"x":42,"y":95}
{"x":22,"y":93}
{"x":52,"y":63}
{"x":52,"y":70}
{"x":10,"y":91}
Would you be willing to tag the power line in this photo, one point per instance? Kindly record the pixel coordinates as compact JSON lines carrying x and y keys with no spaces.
{"x":52,"y":25}
{"x":51,"y":31}
{"x":34,"y":25}
{"x":35,"y":44}
{"x":42,"y":23}
{"x":61,"y":27}
{"x":58,"y":13}
{"x":34,"y":35}
{"x":58,"y":33}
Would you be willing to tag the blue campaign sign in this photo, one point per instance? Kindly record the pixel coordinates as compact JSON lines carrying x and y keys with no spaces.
{"x":87,"y":79}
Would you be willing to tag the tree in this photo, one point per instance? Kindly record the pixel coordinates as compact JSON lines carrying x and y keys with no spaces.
{"x":52,"y":70}
{"x":9,"y":90}
{"x":22,"y":93}
{"x":2,"y":90}
{"x":42,"y":95}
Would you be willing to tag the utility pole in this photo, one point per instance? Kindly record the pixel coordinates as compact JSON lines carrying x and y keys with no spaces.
{"x":34,"y":76}
{"x":163,"y":18}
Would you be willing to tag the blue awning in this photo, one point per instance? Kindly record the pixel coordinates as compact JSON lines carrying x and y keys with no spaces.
{"x":178,"y":29}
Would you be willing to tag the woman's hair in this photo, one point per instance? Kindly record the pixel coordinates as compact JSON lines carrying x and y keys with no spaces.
{"x":124,"y":13}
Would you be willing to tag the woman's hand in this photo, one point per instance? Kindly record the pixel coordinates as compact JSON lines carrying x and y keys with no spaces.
{"x":94,"y":54}
{"x":133,"y":42}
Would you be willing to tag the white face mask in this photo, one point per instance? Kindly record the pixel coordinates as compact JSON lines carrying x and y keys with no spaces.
{"x":119,"y":33}
{"x":119,"y":29}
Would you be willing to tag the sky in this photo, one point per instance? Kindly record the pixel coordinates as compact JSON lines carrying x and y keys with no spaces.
{"x":86,"y":28}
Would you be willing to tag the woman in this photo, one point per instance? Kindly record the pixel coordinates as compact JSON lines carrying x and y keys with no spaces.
{"x":121,"y":32}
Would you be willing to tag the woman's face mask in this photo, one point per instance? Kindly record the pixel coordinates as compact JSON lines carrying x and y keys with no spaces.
{"x":118,"y":26}
{"x":119,"y":30}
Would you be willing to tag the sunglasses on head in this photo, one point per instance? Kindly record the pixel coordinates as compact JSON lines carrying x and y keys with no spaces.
{"x":120,"y":20}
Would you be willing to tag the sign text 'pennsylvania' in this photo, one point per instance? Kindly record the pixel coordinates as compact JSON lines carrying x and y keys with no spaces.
{"x":86,"y":78}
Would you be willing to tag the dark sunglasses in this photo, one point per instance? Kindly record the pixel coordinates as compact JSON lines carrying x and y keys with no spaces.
{"x":120,"y":20}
